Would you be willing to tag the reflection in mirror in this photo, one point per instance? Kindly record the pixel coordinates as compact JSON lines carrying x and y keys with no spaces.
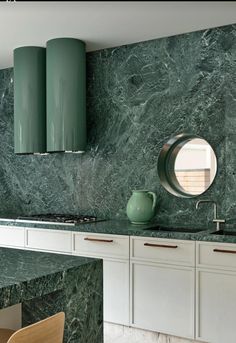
{"x":195,"y":166}
{"x":187,"y":165}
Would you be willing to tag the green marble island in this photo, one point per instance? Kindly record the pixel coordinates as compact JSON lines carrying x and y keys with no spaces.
{"x":48,"y":283}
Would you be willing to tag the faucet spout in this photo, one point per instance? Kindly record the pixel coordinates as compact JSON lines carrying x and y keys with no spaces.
{"x":215,"y":219}
{"x":208,"y":201}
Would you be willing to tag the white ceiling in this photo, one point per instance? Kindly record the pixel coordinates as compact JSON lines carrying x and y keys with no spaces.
{"x":104,"y":24}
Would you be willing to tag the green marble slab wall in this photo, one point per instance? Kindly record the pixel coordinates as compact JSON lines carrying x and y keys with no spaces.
{"x":137,"y":97}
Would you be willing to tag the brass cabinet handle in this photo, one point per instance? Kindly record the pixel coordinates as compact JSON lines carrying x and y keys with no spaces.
{"x":225,"y":251}
{"x":98,"y":240}
{"x":161,"y":245}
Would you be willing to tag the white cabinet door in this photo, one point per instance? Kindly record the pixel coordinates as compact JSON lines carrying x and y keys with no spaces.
{"x":216,"y":306}
{"x":116,"y":291}
{"x":162,"y":298}
{"x":49,"y":240}
{"x":12,"y":236}
{"x":96,"y":244}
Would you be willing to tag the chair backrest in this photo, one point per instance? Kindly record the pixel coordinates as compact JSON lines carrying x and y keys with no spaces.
{"x":49,"y":330}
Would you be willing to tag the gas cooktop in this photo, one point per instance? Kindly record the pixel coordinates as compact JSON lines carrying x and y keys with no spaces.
{"x":68,"y":219}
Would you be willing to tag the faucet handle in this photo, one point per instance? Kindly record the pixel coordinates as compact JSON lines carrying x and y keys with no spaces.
{"x":218,"y":222}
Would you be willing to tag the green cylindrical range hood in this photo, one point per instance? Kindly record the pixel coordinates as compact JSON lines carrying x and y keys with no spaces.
{"x":30,"y":100}
{"x":66,"y":95}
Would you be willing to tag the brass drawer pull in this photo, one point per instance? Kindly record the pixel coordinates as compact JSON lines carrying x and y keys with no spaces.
{"x":160,"y":245}
{"x":98,"y":240}
{"x":225,"y":251}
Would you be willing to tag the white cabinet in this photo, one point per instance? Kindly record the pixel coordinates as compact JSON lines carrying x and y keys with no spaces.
{"x":114,"y":250}
{"x":216,"y":255}
{"x":12,"y":236}
{"x":216,"y":305}
{"x":216,"y":292}
{"x":162,"y":291}
{"x":96,"y":244}
{"x":116,"y":291}
{"x":163,"y":298}
{"x":149,"y":283}
{"x":167,"y":251}
{"x":49,"y":240}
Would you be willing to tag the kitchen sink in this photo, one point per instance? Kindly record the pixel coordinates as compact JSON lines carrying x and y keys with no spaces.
{"x":170,"y":229}
{"x":224,"y":232}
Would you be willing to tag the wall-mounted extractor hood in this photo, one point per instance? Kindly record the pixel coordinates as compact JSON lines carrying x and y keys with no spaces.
{"x":50,"y":97}
{"x":66,"y":95}
{"x":30,"y":100}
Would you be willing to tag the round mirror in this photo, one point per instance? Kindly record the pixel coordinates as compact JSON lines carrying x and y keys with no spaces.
{"x":187,"y":165}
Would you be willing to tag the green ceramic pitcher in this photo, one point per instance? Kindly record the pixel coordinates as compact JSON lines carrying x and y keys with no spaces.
{"x":141,"y":207}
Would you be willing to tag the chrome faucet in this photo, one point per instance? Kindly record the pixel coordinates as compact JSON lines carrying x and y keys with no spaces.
{"x":215,"y":219}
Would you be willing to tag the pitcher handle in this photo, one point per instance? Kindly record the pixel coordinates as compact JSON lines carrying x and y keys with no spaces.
{"x":154,"y":200}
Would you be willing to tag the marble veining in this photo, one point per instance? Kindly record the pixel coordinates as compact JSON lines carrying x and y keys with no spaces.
{"x":48,"y":283}
{"x":138,"y":96}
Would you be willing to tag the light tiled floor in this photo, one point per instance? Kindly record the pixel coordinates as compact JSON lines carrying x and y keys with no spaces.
{"x":122,"y":334}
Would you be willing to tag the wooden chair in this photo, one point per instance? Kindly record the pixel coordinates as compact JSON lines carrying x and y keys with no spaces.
{"x":49,"y":330}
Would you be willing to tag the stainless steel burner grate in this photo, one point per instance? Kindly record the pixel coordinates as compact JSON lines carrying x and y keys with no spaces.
{"x":52,"y":218}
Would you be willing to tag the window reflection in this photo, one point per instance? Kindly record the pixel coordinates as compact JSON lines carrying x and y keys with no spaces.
{"x":195,"y":166}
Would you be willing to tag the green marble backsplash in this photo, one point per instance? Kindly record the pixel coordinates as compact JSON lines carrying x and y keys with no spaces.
{"x":137,"y":97}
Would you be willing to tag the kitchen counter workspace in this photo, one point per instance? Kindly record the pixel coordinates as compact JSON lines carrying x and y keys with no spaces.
{"x":124,"y":227}
{"x":49,"y":283}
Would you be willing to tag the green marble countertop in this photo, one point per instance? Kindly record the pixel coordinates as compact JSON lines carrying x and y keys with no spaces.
{"x":23,"y":266}
{"x":124,"y":227}
{"x":20,"y":265}
{"x":50,"y":283}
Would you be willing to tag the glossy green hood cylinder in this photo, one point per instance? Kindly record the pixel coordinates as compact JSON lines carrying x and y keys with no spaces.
{"x":29,"y":100}
{"x":66,"y":95}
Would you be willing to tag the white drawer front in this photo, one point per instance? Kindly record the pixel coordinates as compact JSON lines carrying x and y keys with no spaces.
{"x":52,"y":240}
{"x":101,"y":245}
{"x":216,"y":255}
{"x":167,"y":251}
{"x":12,"y":236}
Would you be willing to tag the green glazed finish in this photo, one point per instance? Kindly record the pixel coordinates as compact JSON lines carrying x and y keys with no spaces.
{"x":29,"y":100}
{"x":141,"y":206}
{"x":66,"y":95}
